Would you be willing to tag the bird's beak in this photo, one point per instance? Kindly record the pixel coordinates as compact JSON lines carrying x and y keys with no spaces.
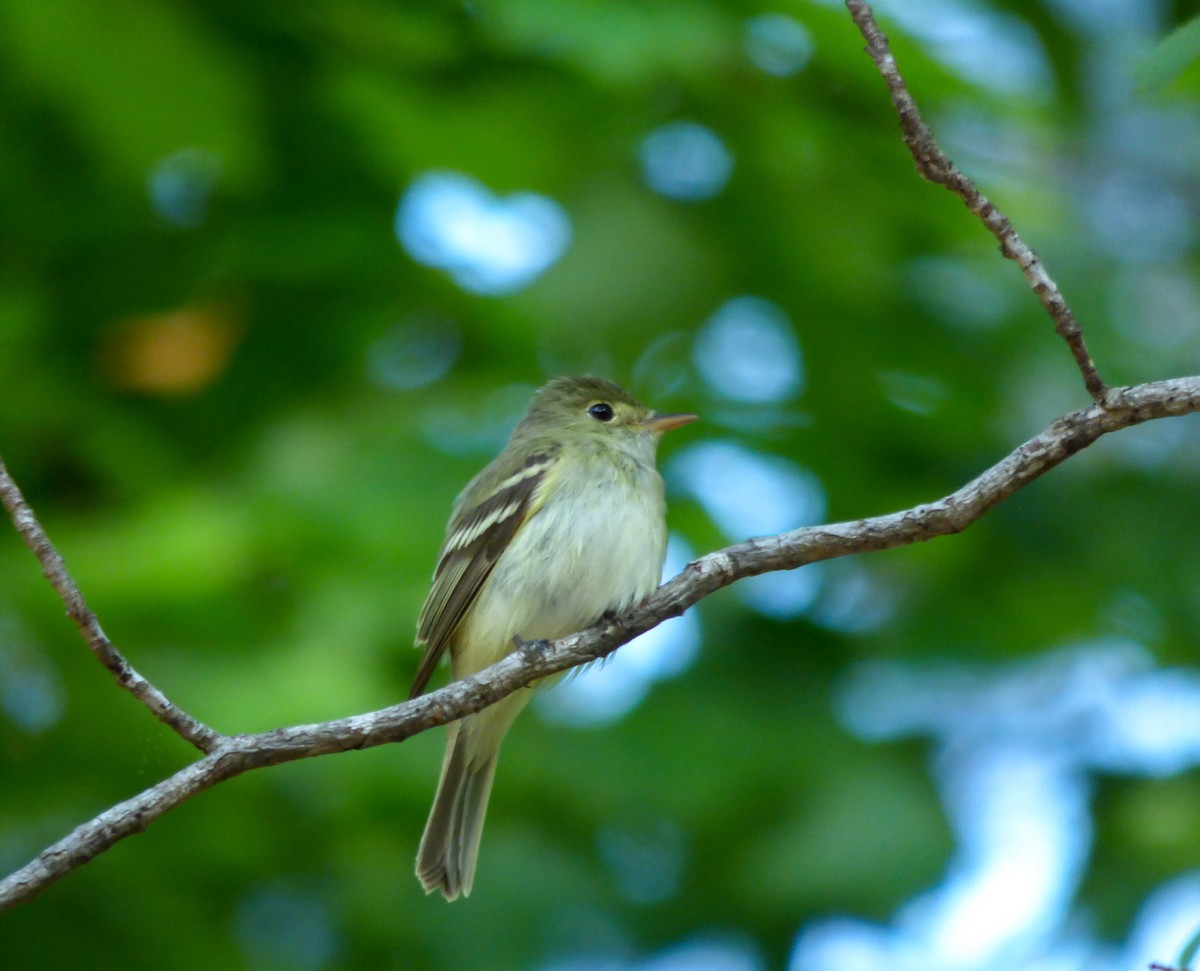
{"x":664,"y":423}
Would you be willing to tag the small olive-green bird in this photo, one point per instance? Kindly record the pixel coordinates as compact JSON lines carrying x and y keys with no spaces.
{"x":567,"y":523}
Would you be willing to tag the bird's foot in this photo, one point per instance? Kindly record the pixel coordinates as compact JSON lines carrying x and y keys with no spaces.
{"x":530,"y":649}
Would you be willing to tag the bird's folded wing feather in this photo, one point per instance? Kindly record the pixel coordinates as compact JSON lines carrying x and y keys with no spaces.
{"x":478,"y":535}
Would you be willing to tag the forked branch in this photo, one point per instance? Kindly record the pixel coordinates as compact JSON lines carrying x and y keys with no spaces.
{"x":228,"y":756}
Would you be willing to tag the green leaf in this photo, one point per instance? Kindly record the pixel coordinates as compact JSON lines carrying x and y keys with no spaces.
{"x":1188,"y":954}
{"x":137,"y":80}
{"x":1170,"y":57}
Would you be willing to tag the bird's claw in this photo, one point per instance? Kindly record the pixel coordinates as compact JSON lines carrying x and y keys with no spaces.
{"x":531,"y":649}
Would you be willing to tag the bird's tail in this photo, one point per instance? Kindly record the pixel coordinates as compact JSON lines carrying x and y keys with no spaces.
{"x":450,"y":846}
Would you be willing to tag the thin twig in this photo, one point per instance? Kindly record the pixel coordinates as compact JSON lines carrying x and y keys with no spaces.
{"x":234,"y":755}
{"x":934,"y":165}
{"x":55,"y":570}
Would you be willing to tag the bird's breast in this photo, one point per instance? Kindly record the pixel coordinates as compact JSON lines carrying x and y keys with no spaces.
{"x":596,"y":544}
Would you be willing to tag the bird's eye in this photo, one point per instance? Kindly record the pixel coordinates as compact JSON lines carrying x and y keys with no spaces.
{"x":601,"y":411}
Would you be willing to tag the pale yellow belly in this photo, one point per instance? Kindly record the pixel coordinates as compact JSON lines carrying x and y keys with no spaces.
{"x":571,"y":562}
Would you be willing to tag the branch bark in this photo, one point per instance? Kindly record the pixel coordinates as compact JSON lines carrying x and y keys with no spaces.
{"x":225,"y":757}
{"x":234,"y":755}
{"x":934,"y":166}
{"x":55,"y":570}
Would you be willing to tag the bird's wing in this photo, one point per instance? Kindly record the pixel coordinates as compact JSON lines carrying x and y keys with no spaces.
{"x":478,"y":535}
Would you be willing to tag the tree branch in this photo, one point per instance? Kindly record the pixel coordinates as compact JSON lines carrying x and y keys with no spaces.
{"x":935,"y":166}
{"x":231,"y":756}
{"x":55,"y":570}
{"x":228,"y":756}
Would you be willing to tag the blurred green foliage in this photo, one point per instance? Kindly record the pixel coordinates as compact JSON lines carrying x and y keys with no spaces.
{"x":198,"y":407}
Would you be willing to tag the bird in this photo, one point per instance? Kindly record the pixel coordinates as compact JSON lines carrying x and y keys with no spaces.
{"x":565,"y":526}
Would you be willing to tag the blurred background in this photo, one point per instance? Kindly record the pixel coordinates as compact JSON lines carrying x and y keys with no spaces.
{"x":276,"y":279}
